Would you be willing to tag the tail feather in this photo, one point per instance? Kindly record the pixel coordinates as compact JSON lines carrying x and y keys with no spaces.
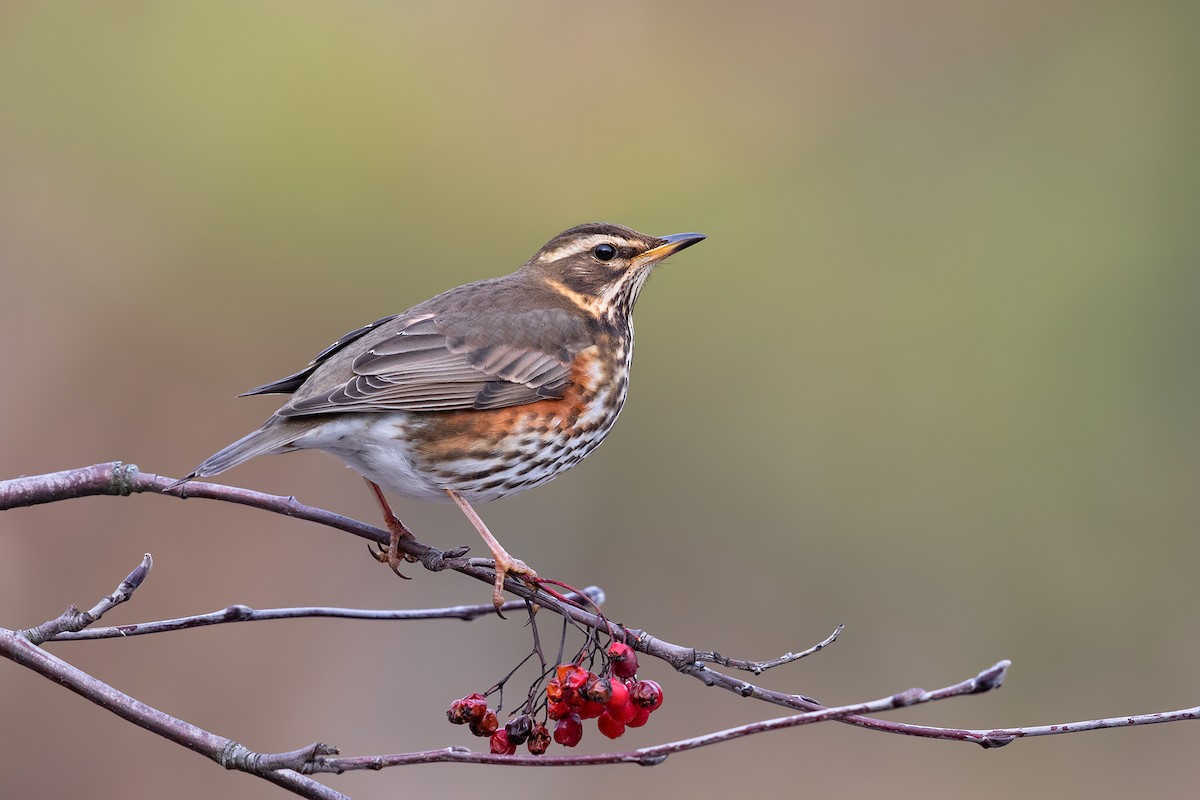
{"x":273,"y":437}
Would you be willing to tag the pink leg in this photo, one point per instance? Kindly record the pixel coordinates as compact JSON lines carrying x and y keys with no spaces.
{"x":391,"y":556}
{"x":505,"y":563}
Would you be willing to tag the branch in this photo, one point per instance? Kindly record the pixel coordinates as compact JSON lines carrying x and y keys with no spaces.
{"x":244,"y":613}
{"x":71,"y":621}
{"x":119,"y":479}
{"x":989,"y":679}
{"x":282,"y":769}
{"x":759,"y":667}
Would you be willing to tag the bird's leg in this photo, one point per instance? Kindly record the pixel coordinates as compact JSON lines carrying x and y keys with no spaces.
{"x":505,"y":564}
{"x":391,"y":556}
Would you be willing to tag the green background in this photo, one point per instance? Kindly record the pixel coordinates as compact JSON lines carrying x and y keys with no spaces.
{"x":933,"y":375}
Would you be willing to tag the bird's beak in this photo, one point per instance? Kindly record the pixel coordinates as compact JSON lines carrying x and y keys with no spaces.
{"x":668,"y":245}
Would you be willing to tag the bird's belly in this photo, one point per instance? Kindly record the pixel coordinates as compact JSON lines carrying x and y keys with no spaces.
{"x":480,"y":454}
{"x":369,"y":444}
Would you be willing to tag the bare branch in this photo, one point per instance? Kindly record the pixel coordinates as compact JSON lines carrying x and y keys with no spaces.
{"x":759,"y":667}
{"x":73,"y":620}
{"x":243,"y":613}
{"x":990,"y":678}
{"x":650,"y":756}
{"x":1001,"y":737}
{"x":225,"y":752}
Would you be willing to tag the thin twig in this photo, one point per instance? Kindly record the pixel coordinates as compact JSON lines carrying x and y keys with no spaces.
{"x":759,"y":667}
{"x":71,"y":621}
{"x":243,"y":613}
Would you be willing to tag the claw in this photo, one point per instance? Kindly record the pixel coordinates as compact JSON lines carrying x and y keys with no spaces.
{"x":384,"y":556}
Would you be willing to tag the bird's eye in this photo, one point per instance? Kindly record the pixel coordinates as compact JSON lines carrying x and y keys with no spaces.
{"x":604,"y":252}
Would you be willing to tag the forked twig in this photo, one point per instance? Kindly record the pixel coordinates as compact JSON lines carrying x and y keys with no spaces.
{"x":759,"y":667}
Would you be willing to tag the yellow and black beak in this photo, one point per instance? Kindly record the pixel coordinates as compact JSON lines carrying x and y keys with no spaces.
{"x":668,"y":245}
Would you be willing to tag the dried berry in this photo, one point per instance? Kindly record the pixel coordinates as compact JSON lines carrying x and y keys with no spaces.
{"x":485,"y":725}
{"x":519,"y":728}
{"x":539,"y":739}
{"x":467,"y":709}
{"x":647,"y":694}
{"x":571,"y":676}
{"x":598,"y":690}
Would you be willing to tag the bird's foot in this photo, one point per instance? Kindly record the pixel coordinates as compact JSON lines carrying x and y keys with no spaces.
{"x":391,"y":555}
{"x":507,"y":565}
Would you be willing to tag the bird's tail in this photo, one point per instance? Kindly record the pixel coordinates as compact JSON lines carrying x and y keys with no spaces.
{"x":275,"y":436}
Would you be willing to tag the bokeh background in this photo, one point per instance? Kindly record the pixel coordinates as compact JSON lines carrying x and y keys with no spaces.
{"x":934,"y":374}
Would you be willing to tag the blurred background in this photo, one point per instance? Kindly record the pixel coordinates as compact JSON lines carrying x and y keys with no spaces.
{"x":933,"y":375}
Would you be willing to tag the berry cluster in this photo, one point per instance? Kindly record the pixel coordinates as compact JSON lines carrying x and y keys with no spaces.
{"x":616,"y":699}
{"x":473,"y":711}
{"x":575,"y":694}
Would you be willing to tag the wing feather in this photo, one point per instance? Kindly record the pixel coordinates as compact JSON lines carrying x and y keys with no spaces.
{"x":442,"y":362}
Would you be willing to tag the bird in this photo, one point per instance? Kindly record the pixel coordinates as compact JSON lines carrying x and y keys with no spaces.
{"x":481,"y":392}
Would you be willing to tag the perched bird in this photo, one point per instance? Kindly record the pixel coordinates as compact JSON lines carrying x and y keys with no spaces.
{"x":481,"y":392}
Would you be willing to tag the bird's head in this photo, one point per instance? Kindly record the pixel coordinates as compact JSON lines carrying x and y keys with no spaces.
{"x":601,"y":267}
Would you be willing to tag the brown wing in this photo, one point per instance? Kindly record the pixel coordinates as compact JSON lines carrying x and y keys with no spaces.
{"x":448,"y":361}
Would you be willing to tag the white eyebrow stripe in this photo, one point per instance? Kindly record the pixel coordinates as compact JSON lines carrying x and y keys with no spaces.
{"x":583,"y":245}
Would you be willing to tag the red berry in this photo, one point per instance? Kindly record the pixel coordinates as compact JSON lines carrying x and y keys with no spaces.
{"x":610,"y":726}
{"x":624,"y":713}
{"x":619,"y":696}
{"x":568,"y":730}
{"x":539,"y":739}
{"x":501,"y":745}
{"x":558,"y":710}
{"x":624,"y":660}
{"x":590,"y":710}
{"x":639,"y":719}
{"x":647,"y":694}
